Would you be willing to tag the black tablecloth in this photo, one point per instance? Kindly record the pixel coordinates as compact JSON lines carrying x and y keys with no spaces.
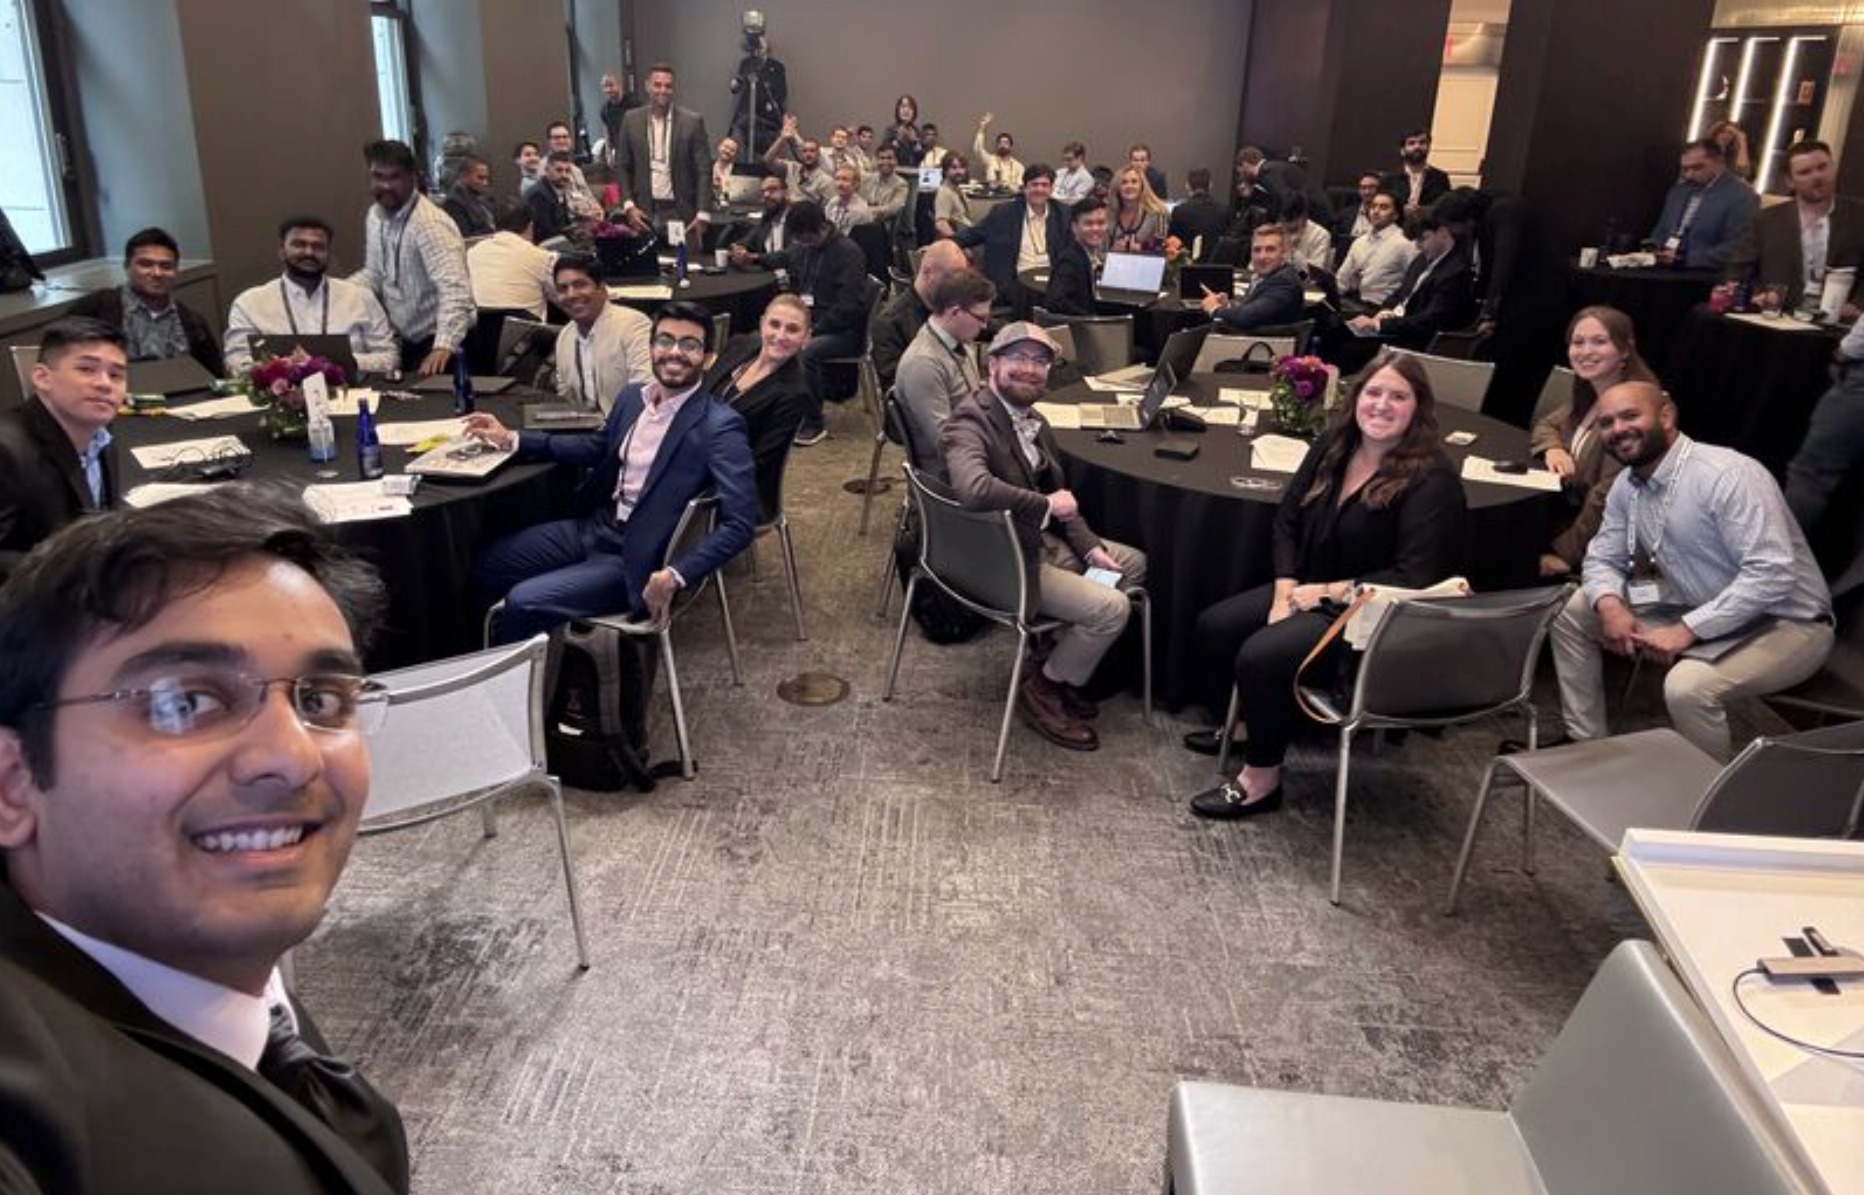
{"x":1206,"y":539}
{"x":1746,"y":386}
{"x":740,"y":293}
{"x":1657,"y":300}
{"x":426,"y":559}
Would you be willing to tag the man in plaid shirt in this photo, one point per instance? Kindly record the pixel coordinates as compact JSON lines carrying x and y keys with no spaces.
{"x":416,"y":262}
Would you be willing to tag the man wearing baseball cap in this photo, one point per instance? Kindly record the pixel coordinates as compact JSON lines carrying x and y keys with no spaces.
{"x":1001,"y":455}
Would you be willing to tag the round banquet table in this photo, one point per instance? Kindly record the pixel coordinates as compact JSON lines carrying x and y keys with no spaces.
{"x":739,"y":293}
{"x":1207,"y":539}
{"x":1747,"y":384}
{"x":426,"y":558}
{"x":1658,"y":300}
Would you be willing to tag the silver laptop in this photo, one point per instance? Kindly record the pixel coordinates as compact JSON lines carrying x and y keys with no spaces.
{"x":1131,"y":278}
{"x":1135,"y":417}
{"x":744,"y":188}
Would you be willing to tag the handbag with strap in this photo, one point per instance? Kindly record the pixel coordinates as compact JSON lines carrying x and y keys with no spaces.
{"x":1358,"y":621}
{"x":1249,"y":363}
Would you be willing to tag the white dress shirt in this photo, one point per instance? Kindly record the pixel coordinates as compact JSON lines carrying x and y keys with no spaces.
{"x":336,"y":307}
{"x":510,"y":272}
{"x":1375,"y":265}
{"x":1314,"y":247}
{"x":232,"y":1022}
{"x":845,"y":215}
{"x":593,"y":368}
{"x":660,"y":156}
{"x":1072,"y":184}
{"x":1815,"y":237}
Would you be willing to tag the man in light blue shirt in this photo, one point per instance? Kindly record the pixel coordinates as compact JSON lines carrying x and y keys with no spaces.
{"x":1697,"y":565}
{"x":1705,"y":213}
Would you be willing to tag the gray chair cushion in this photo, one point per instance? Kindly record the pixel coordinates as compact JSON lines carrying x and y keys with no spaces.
{"x":1653,"y":779}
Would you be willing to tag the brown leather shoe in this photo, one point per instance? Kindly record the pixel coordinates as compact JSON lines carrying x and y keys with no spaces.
{"x":1043,"y":708}
{"x":1079,"y":705}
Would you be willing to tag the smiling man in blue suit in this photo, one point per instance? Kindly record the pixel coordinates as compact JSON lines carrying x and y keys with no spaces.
{"x":665,"y":443}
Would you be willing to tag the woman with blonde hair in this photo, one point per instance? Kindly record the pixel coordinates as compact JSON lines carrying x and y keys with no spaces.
{"x":1139,"y":218}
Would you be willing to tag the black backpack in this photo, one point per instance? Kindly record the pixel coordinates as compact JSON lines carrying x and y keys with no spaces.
{"x":595,"y":726}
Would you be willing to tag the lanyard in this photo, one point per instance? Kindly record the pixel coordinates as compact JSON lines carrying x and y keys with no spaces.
{"x":323,"y":324}
{"x":591,"y":398}
{"x":1037,"y":230}
{"x":1663,"y":510}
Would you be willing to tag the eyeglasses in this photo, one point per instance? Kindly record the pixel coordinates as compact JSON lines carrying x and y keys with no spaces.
{"x":690,"y":345}
{"x":211,"y":703}
{"x":982,"y":317}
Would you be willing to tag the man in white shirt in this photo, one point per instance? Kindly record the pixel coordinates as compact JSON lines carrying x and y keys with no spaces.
{"x":1375,"y":265}
{"x":998,"y":164}
{"x":1309,"y":245}
{"x":415,"y":262}
{"x":885,"y":191}
{"x":840,"y":150}
{"x":723,"y":166}
{"x":847,"y":208}
{"x":171,"y":825}
{"x":1074,"y":181}
{"x":604,"y":349}
{"x":306,"y":301}
{"x":509,"y":271}
{"x":951,"y":208}
{"x":529,"y":159}
{"x":583,"y":203}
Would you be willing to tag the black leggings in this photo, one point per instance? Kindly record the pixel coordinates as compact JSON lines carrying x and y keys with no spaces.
{"x":1264,"y":660}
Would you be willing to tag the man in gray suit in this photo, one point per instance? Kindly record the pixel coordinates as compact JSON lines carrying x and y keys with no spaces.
{"x":664,"y":159}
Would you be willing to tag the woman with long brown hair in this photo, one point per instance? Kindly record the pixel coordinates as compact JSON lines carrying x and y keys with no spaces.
{"x":1601,"y":349}
{"x":1376,"y":501}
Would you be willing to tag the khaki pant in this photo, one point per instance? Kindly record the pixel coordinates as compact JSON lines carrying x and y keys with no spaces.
{"x":1095,"y":613}
{"x":1777,"y":656}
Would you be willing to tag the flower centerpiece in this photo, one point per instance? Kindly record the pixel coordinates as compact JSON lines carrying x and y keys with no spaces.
{"x":1177,"y":256}
{"x":275,"y":385}
{"x":1303,"y":391}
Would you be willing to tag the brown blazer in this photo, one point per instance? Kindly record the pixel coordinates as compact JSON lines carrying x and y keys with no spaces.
{"x":988,"y":471}
{"x":1769,"y":250}
{"x":1594,"y":470}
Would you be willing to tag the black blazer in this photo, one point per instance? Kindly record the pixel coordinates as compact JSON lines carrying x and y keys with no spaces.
{"x":1071,"y":282}
{"x":833,"y":275}
{"x":1444,"y":300}
{"x":1415,"y":540}
{"x":894,"y":328}
{"x":42,"y":485}
{"x":772,"y":409}
{"x":1200,"y":216}
{"x":475,"y":216}
{"x":550,"y":212}
{"x":1398,"y":184}
{"x":757,"y":240}
{"x":1001,"y":235}
{"x":203,"y":345}
{"x":1770,"y":252}
{"x":99,"y":1096}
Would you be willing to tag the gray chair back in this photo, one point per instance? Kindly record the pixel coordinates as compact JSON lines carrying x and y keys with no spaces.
{"x":875,"y":292}
{"x":1639,"y":1093}
{"x":1064,"y":336}
{"x":1458,"y":383}
{"x":1103,"y":343}
{"x":1455,"y":658}
{"x":1805,"y":785}
{"x":25,"y":356}
{"x":923,"y":457}
{"x":694,"y":525}
{"x":1217,"y":349}
{"x":1558,"y":389}
{"x":971,"y":554}
{"x":721,"y":331}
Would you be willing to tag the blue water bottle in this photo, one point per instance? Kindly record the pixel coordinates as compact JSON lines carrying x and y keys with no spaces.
{"x":679,"y":263}
{"x":462,"y":385}
{"x":368,"y":444}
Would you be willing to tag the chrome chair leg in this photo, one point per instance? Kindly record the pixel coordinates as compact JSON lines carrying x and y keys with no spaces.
{"x":1145,"y":648}
{"x":491,"y":617}
{"x":873,"y":478}
{"x":1009,"y":705}
{"x":1469,"y":836}
{"x":488,"y":818}
{"x":731,"y":632}
{"x":899,"y":638}
{"x":667,"y":665}
{"x":789,"y":575}
{"x":569,"y":872}
{"x":1229,"y":728}
{"x":1339,"y":810}
{"x":887,"y":568}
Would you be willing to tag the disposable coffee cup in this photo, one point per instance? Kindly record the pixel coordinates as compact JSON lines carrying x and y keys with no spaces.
{"x":722,"y":258}
{"x":1588,"y":258}
{"x":1836,"y":292}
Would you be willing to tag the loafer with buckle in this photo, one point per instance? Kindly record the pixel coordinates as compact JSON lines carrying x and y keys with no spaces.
{"x":1228,"y":802}
{"x":1042,"y":708}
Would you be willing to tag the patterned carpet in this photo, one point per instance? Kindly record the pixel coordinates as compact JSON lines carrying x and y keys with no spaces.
{"x":841,"y":960}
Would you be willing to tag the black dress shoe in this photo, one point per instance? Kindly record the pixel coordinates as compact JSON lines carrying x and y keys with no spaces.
{"x":1517,"y":746}
{"x":1079,"y":705}
{"x":1207,"y":742}
{"x":1227,"y":802}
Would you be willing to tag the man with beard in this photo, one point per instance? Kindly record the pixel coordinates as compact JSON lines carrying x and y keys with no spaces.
{"x":551,"y":215}
{"x":663,"y":159}
{"x":415,"y":262}
{"x":615,"y":105}
{"x":884,"y":190}
{"x":305,"y":301}
{"x":1001,"y":455}
{"x":1417,"y":183}
{"x":665,"y":443}
{"x":1697,"y":565}
{"x":468,"y":199}
{"x":771,"y":232}
{"x":799,"y":161}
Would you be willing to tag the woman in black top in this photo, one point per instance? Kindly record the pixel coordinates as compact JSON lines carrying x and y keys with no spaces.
{"x":903,"y":133}
{"x":761,"y":378}
{"x":1376,"y":500}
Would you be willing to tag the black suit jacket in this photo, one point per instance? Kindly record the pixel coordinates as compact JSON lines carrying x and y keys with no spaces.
{"x":99,"y":1096}
{"x":1200,"y":216}
{"x":1071,"y":282}
{"x":689,"y":156}
{"x":550,"y":212}
{"x":42,"y":484}
{"x":474,"y":215}
{"x":773,"y":409}
{"x":1398,"y":184}
{"x":757,"y":240}
{"x":1001,"y":235}
{"x":894,"y":328}
{"x":988,"y":471}
{"x":833,"y":275}
{"x":203,"y":345}
{"x":1770,"y":252}
{"x":1441,"y":301}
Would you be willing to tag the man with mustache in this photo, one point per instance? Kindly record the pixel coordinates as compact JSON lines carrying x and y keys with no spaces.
{"x":1698,"y":565}
{"x":306,"y":301}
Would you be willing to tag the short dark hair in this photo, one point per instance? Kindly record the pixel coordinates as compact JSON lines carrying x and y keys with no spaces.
{"x":582,"y":263}
{"x":64,"y":334}
{"x":517,"y":150}
{"x":554,"y":125}
{"x":863,"y":128}
{"x":116,"y":572}
{"x":1006,"y":137}
{"x":661,"y":68}
{"x":1075,"y":149}
{"x":391,"y":153}
{"x":1249,"y":155}
{"x":1800,"y":149}
{"x":686,"y":311}
{"x":806,"y":219}
{"x":961,"y":288}
{"x":1374,"y":175}
{"x":559,"y":155}
{"x":1294,"y":207}
{"x":515,"y":218}
{"x":1705,"y":145}
{"x":1038,"y":170}
{"x":926,"y":124}
{"x":147,"y":237}
{"x":1199,"y":178}
{"x":1424,"y":133}
{"x":887,"y":149}
{"x":322,"y":225}
{"x":952,"y":155}
{"x":1086,"y":206}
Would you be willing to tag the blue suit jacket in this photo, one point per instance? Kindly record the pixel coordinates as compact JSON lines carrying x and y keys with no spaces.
{"x":707,"y":449}
{"x":1272,"y":301}
{"x":1728,"y":207}
{"x":1001,"y":235}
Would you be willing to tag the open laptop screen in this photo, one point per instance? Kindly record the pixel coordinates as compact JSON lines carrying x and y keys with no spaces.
{"x":1133,"y":271}
{"x":931,"y":178}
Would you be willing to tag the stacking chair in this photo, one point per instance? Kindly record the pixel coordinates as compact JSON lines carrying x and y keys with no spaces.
{"x":873,"y":403}
{"x":1434,"y":662}
{"x":1457,"y":383}
{"x":1217,"y":349}
{"x":1558,"y":389}
{"x":874,"y":294}
{"x":1102,"y":343}
{"x":1063,"y":335}
{"x":458,"y":735}
{"x":974,"y":557}
{"x":721,"y":332}
{"x":1461,"y":344}
{"x":1302,"y":332}
{"x":1805,"y":785}
{"x":779,"y":522}
{"x":899,"y":429}
{"x":1638,"y":1093}
{"x":1837,"y":689}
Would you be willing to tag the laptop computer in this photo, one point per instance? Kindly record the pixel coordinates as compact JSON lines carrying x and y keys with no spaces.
{"x":1181,"y":349}
{"x":1130,"y":278}
{"x":744,"y":188}
{"x":1132,"y":418}
{"x":931,"y":178}
{"x":169,"y":376}
{"x":334,"y":347}
{"x":1194,"y":279}
{"x":460,"y":458}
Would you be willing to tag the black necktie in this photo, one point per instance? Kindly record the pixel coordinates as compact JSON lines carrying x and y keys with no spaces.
{"x":332,"y":1091}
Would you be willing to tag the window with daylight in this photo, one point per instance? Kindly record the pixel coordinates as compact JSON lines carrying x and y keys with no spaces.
{"x":393,"y":85}
{"x":35,"y":188}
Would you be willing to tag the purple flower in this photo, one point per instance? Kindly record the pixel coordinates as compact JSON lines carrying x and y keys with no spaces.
{"x":1304,"y":389}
